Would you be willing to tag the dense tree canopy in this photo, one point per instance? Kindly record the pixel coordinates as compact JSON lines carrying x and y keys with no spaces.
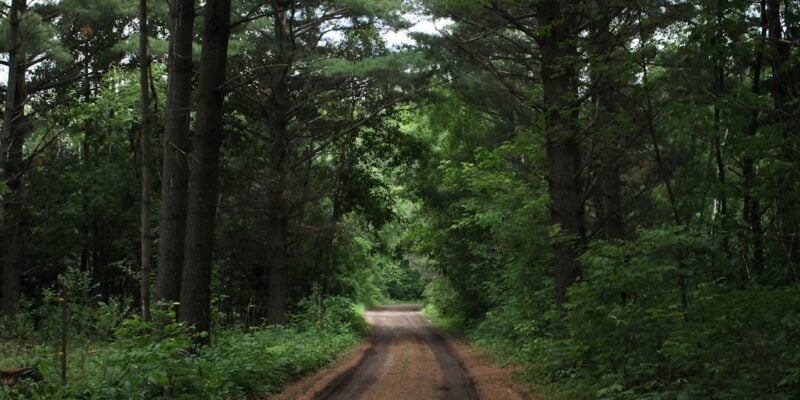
{"x":604,"y":192}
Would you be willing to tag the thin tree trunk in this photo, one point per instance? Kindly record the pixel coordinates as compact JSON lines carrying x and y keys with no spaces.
{"x":175,"y":171}
{"x":751,"y":204}
{"x":329,"y":248}
{"x":278,"y":272}
{"x":88,"y":129}
{"x":559,"y":80}
{"x":195,"y":304}
{"x":278,"y":226}
{"x":144,"y":149}
{"x":280,"y":159}
{"x":719,"y":87}
{"x":11,"y":157}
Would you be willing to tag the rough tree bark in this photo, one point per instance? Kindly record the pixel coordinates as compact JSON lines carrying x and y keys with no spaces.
{"x":559,"y":81}
{"x":144,"y":150}
{"x":195,"y":301}
{"x":175,"y":170}
{"x":13,"y":137}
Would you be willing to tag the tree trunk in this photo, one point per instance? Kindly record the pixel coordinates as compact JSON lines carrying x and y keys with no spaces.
{"x":559,"y":80}
{"x":85,"y":155}
{"x":329,"y":248}
{"x":175,"y":171}
{"x":718,"y":91}
{"x":610,"y":214}
{"x":278,"y":272}
{"x":751,"y":208}
{"x":195,"y":304}
{"x":782,"y":84}
{"x":14,"y":133}
{"x":278,"y":221}
{"x":280,"y":156}
{"x":144,"y":149}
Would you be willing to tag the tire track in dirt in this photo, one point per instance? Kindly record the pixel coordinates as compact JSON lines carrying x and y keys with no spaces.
{"x":404,"y":357}
{"x":458,"y":384}
{"x":355,"y":380}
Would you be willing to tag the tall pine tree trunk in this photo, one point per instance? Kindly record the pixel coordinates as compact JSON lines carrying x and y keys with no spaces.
{"x":175,"y":171}
{"x":14,"y":133}
{"x":278,"y":272}
{"x":195,"y":302}
{"x":280,"y":156}
{"x":144,"y":150}
{"x":278,"y":220}
{"x":559,"y":80}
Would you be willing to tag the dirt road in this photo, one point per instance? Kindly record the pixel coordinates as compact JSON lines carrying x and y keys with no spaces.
{"x":404,"y":357}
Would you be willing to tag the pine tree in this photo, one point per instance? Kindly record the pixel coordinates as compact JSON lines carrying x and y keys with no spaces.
{"x":13,"y":137}
{"x":195,"y":304}
{"x":175,"y":171}
{"x":144,"y":155}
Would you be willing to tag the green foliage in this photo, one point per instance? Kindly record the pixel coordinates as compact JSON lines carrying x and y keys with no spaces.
{"x":37,"y":38}
{"x":378,"y":7}
{"x":89,"y":317}
{"x":631,"y":337}
{"x":329,"y":313}
{"x":628,"y":335}
{"x":156,"y":360}
{"x":370,"y":266}
{"x":386,"y":64}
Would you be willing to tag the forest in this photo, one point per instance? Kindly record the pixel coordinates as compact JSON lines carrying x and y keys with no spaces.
{"x":204,"y":199}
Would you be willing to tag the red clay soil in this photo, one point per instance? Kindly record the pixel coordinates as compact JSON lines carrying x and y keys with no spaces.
{"x":404,"y":357}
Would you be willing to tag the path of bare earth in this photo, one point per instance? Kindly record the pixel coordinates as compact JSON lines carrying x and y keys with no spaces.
{"x":404,"y":357}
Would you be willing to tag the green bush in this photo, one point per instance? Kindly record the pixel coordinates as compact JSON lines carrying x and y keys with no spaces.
{"x":156,"y":360}
{"x":329,"y":313}
{"x":633,"y":333}
{"x":89,"y":318}
{"x":647,"y":321}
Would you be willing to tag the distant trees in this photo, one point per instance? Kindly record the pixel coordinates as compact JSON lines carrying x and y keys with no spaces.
{"x":539,"y":44}
{"x":303,"y":97}
{"x":600,"y":83}
{"x":646,"y":147}
{"x":782,"y":29}
{"x":40,"y":48}
{"x":311,"y":93}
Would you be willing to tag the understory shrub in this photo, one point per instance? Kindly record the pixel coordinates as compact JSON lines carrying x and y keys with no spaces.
{"x":647,"y":321}
{"x":156,"y":361}
{"x":90,"y":318}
